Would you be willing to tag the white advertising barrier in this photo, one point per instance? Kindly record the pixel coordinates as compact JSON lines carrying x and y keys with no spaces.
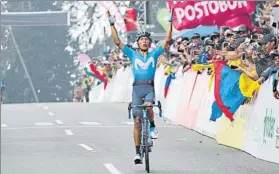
{"x":95,"y":93}
{"x":193,"y":104}
{"x":160,"y":88}
{"x":108,"y":93}
{"x":172,"y":102}
{"x":256,"y":126}
{"x":203,"y":106}
{"x":118,"y":86}
{"x":262,"y":136}
{"x":159,"y":75}
{"x":185,"y":97}
{"x":128,"y":85}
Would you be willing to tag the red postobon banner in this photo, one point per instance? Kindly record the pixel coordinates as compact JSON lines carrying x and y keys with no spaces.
{"x":131,"y":19}
{"x":190,"y":14}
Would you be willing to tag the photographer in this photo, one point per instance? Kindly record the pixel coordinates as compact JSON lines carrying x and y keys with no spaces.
{"x":275,"y":84}
{"x":269,"y":42}
{"x":184,"y":51}
{"x":247,"y":67}
{"x":274,"y":69}
{"x":195,"y":48}
{"x":215,"y":37}
{"x":229,"y":39}
{"x":196,"y":43}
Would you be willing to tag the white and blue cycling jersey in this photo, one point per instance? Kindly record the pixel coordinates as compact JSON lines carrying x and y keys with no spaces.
{"x":143,"y":67}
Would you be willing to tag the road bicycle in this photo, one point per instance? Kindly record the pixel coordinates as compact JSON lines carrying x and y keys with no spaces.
{"x":145,"y":131}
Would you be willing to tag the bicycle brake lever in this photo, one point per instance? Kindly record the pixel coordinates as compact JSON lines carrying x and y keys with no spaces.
{"x":129,"y":111}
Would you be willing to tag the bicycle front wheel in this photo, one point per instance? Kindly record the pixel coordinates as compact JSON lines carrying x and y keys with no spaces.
{"x":146,"y":136}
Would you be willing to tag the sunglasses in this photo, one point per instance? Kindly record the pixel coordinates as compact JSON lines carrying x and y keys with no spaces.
{"x":185,"y":43}
{"x":229,"y":35}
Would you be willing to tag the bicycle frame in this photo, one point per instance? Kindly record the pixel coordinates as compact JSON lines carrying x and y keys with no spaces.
{"x":145,"y":131}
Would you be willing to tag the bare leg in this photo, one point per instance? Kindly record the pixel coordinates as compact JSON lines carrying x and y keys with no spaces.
{"x":137,"y":132}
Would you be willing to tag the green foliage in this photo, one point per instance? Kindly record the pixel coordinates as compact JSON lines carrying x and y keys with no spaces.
{"x":49,"y":65}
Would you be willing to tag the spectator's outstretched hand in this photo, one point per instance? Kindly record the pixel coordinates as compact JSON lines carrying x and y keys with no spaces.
{"x":239,"y":69}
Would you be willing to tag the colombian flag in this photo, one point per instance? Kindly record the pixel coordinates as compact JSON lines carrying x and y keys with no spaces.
{"x":168,"y":82}
{"x":230,"y":91}
{"x":92,"y":71}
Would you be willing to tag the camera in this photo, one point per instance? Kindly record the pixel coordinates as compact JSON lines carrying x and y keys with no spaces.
{"x":233,"y":67}
{"x":225,"y":44}
{"x":243,"y":56}
{"x":255,"y":37}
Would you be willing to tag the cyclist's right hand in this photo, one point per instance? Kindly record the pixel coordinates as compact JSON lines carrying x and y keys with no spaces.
{"x":108,"y":13}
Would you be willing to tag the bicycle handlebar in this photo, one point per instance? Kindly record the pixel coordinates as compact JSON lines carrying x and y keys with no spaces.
{"x":145,"y":106}
{"x":159,"y":106}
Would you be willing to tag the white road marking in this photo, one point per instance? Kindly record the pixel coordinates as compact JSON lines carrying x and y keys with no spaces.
{"x":129,"y":123}
{"x":90,"y":123}
{"x":45,"y":107}
{"x":50,"y":113}
{"x":4,"y":125}
{"x":59,"y":122}
{"x":44,"y":124}
{"x":69,"y":132}
{"x":22,"y":128}
{"x":111,"y":168}
{"x":87,"y":147}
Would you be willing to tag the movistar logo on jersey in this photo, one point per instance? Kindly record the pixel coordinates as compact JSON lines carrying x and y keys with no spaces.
{"x":144,"y":65}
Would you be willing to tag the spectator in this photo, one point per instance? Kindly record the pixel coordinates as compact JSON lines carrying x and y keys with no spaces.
{"x":3,"y":86}
{"x":252,"y":52}
{"x":86,"y":85}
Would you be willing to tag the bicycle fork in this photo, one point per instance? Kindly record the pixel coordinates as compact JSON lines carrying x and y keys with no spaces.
{"x":145,"y":133}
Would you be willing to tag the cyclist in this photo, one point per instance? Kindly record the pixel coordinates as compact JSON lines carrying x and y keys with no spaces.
{"x":143,"y":63}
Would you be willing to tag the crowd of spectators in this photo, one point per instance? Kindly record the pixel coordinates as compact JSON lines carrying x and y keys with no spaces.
{"x":253,"y":52}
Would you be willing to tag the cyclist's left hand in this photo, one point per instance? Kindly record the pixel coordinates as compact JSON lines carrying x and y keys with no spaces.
{"x":108,"y":13}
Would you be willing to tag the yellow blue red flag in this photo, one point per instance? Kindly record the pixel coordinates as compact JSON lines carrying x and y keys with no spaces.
{"x":230,"y":91}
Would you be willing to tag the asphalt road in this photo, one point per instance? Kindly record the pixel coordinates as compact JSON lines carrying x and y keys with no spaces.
{"x":82,"y":138}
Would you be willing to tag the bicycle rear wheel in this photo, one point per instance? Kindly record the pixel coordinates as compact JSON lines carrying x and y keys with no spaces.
{"x":146,"y":151}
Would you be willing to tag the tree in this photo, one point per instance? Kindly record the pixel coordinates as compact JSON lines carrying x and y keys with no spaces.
{"x":89,"y":31}
{"x":5,"y":62}
{"x":89,"y":26}
{"x":49,"y":65}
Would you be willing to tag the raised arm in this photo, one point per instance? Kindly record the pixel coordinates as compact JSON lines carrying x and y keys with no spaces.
{"x":114,"y":33}
{"x":169,"y":33}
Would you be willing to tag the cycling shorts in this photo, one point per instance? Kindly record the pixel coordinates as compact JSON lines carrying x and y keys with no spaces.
{"x":141,"y":94}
